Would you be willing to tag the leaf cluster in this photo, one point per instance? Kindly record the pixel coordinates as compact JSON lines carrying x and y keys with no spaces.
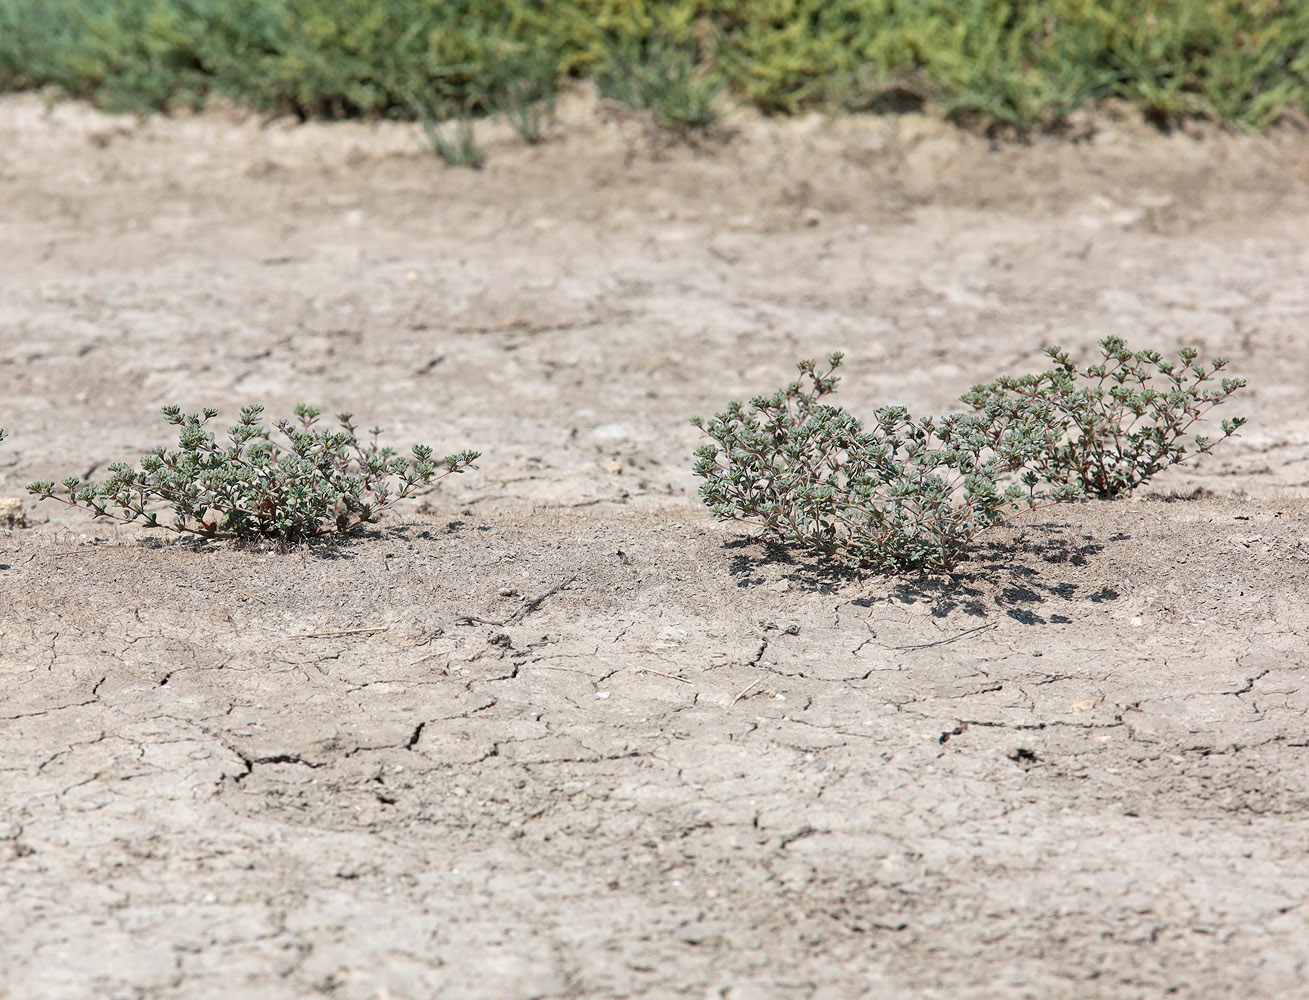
{"x":902,"y":494}
{"x":306,"y":480}
{"x":1119,"y":421}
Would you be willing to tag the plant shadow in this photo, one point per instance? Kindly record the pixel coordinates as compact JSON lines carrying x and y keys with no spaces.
{"x":999,"y":575}
{"x":753,"y":554}
{"x":1007,"y":576}
{"x":326,"y":546}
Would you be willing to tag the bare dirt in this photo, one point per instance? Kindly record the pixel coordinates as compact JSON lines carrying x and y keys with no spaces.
{"x":693,"y":768}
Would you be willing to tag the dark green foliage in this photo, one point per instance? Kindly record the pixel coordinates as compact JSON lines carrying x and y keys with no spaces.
{"x":330,"y":58}
{"x":663,"y":75}
{"x":1020,"y":64}
{"x":257,"y":487}
{"x":522,"y":82}
{"x":1118,"y":422}
{"x":453,"y":140}
{"x":905,"y":494}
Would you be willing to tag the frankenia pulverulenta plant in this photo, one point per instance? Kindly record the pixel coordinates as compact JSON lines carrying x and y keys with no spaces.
{"x":901,"y":494}
{"x":1119,"y":421}
{"x":306,"y":481}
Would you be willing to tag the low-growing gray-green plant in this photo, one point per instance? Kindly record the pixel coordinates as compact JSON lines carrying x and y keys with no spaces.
{"x":1119,"y":421}
{"x":904,"y":494}
{"x":313,"y":481}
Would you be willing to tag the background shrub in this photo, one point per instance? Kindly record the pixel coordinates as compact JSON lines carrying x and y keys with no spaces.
{"x":1020,"y":64}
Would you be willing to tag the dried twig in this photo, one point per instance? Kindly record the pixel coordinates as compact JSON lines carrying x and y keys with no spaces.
{"x":529,"y":605}
{"x":671,"y":677}
{"x":942,"y":642}
{"x":745,"y":690}
{"x":343,"y":631}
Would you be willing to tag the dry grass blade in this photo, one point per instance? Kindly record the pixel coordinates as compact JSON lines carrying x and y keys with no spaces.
{"x":651,"y":670}
{"x":343,"y":631}
{"x":746,"y":690}
{"x":953,"y":638}
{"x":529,"y":605}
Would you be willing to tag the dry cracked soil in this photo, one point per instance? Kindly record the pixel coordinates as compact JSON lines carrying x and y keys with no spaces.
{"x":572,"y":738}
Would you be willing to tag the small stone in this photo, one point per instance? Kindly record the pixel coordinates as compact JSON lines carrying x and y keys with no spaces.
{"x":12,"y":514}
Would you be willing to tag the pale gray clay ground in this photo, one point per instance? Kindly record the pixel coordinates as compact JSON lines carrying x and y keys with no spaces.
{"x":693,"y":768}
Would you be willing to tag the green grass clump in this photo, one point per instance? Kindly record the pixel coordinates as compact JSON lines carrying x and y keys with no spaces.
{"x":1015,"y":64}
{"x":663,"y":74}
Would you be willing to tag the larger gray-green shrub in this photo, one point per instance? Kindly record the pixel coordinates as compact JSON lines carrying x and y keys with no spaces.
{"x":901,"y":494}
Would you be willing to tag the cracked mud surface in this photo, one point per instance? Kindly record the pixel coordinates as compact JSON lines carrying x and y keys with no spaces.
{"x":692,"y":768}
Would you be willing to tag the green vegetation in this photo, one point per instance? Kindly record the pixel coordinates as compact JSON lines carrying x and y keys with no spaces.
{"x":453,"y":140}
{"x":913,"y":494}
{"x":663,"y":74}
{"x":1013,"y":64}
{"x":905,"y":494}
{"x":258,"y":487}
{"x":1118,"y":422}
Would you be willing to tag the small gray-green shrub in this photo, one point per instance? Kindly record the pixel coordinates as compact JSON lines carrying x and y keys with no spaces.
{"x":1119,"y":421}
{"x":904,"y":494}
{"x":310,"y":481}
